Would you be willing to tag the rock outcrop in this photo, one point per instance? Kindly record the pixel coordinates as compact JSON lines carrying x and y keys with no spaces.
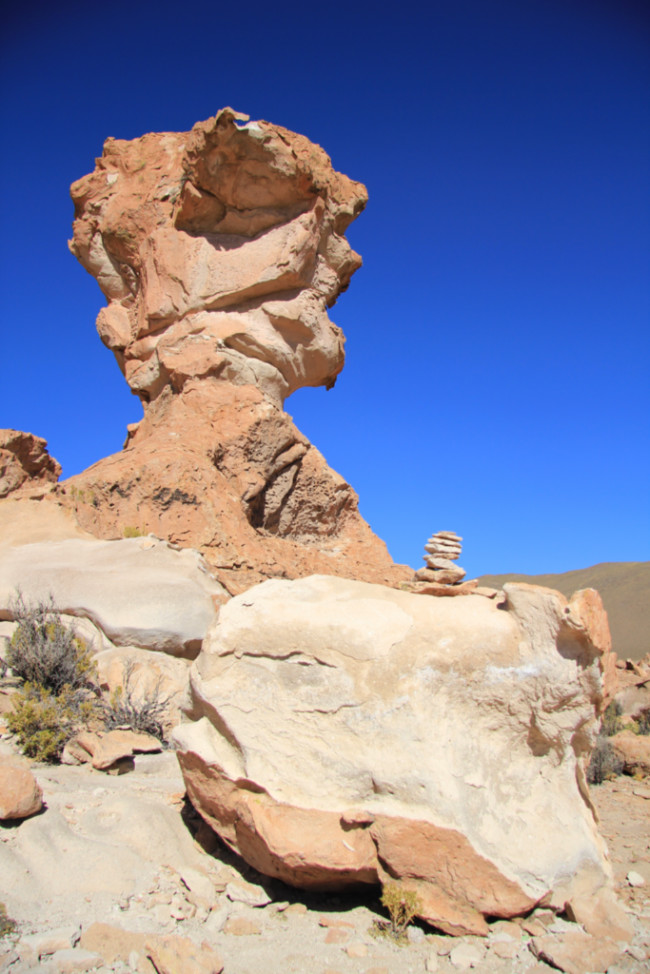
{"x":24,"y":459}
{"x":219,"y":251}
{"x":347,"y":733}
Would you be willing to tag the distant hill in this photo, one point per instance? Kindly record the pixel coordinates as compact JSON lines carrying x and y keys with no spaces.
{"x":624,"y":587}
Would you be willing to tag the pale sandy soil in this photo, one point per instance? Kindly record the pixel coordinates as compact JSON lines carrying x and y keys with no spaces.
{"x":124,"y":850}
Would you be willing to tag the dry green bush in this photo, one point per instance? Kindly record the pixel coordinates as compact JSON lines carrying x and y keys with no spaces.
{"x":7,"y":925}
{"x":612,"y":721}
{"x":605,"y":763}
{"x":44,"y":721}
{"x":59,"y":694}
{"x":44,"y":651}
{"x":644,"y":722}
{"x":402,"y":905}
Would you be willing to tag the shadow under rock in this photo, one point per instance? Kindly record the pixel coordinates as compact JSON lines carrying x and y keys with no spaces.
{"x":329,"y":901}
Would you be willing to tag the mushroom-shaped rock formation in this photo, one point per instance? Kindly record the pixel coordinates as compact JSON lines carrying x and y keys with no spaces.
{"x":219,"y":251}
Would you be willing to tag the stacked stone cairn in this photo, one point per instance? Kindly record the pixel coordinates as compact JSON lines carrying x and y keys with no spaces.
{"x":441,"y":551}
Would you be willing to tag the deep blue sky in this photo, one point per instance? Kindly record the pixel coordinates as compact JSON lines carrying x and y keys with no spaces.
{"x":497,"y":336}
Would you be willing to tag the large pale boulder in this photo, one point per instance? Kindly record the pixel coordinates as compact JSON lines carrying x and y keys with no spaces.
{"x":344,"y":732}
{"x":139,"y":591}
{"x":220,"y":251}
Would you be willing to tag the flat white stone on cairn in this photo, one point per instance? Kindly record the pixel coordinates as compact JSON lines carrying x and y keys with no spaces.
{"x":441,"y":551}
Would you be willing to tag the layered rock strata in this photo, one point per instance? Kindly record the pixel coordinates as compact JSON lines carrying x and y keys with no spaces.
{"x":220,"y":251}
{"x":347,"y":733}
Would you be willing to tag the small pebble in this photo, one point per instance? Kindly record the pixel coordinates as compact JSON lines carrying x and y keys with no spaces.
{"x":296,"y":909}
{"x":635,"y":879}
{"x":356,"y":950}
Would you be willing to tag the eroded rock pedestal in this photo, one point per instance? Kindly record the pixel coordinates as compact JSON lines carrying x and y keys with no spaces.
{"x":219,"y":251}
{"x":350,"y":733}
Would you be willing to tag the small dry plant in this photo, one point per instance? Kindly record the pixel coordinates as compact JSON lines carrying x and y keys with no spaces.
{"x":59,"y":692}
{"x":7,"y":925}
{"x":44,"y":651}
{"x":402,"y":905}
{"x":139,"y":711}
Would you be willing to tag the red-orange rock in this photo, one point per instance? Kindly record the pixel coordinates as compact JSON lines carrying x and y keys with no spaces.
{"x":220,"y":251}
{"x":24,"y":460}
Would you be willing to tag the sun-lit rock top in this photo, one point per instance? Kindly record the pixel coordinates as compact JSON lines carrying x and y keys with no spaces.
{"x":219,"y":250}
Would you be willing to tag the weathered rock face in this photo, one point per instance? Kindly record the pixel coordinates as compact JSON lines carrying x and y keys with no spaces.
{"x":342,"y":732}
{"x":24,"y":459}
{"x":219,"y":251}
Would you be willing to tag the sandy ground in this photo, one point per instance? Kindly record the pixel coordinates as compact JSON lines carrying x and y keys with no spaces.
{"x":130,"y":852}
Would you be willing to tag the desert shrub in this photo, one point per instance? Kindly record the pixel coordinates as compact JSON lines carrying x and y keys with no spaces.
{"x":44,"y":721}
{"x":140,"y":711}
{"x":44,"y":652}
{"x":612,"y":722}
{"x":7,"y":925}
{"x":402,"y":905}
{"x":644,"y":722}
{"x":131,"y":531}
{"x":605,"y":763}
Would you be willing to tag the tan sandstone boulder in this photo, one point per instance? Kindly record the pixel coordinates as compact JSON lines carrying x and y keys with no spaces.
{"x":634,"y":751}
{"x":107,"y":749}
{"x":20,"y":793}
{"x":343,"y":732}
{"x":138,"y":591}
{"x":220,"y":251}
